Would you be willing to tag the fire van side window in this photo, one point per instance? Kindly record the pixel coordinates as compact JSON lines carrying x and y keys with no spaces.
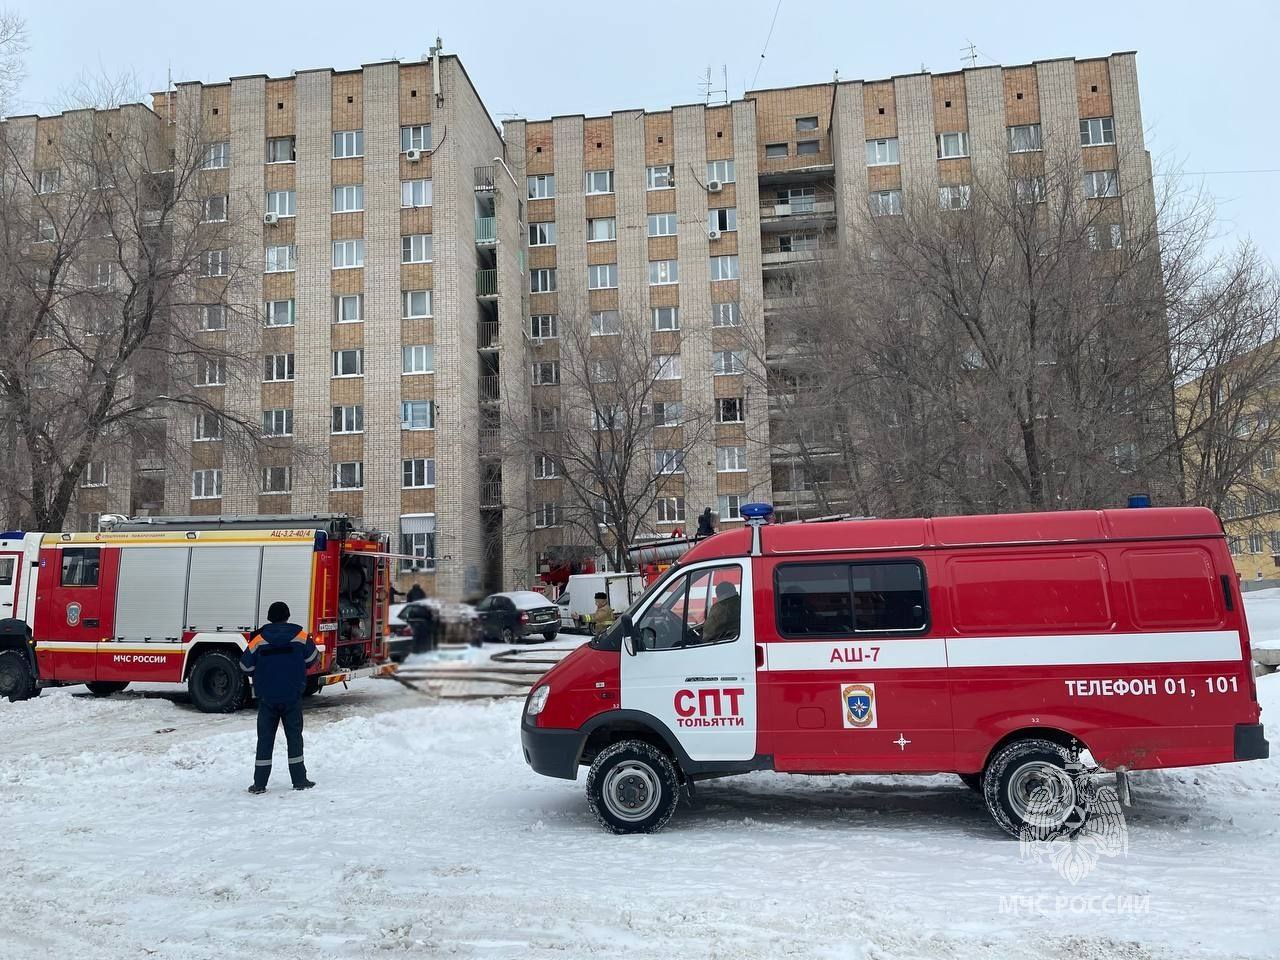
{"x":6,"y":572}
{"x":80,"y":566}
{"x":830,"y":599}
{"x":699,"y":609}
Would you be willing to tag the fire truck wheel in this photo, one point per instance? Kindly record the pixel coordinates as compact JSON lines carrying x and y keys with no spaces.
{"x":313,"y":687}
{"x":105,"y":688}
{"x":217,"y":684}
{"x":1030,"y":793}
{"x":632,"y":787}
{"x":17,"y":682}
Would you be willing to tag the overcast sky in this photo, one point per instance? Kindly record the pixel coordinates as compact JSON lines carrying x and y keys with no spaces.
{"x":1207,"y":70}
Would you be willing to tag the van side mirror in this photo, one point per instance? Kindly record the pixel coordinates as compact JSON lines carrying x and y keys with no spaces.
{"x":630,"y":643}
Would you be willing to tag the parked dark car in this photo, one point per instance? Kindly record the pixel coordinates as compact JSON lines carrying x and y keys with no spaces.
{"x":515,"y":616}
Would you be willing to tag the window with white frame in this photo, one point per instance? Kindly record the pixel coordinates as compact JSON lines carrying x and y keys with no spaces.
{"x":217,"y":156}
{"x":721,"y":170}
{"x":605,"y":416}
{"x":418,"y":540}
{"x":882,"y":152}
{"x":730,"y":505}
{"x":775,"y":151}
{"x":212,"y":316}
{"x":415,"y":304}
{"x":348,"y":475}
{"x":663,"y":272}
{"x":277,"y":422}
{"x":724,"y":268}
{"x":542,"y":186}
{"x":416,"y":248}
{"x":282,"y":149}
{"x":603,"y":370}
{"x":211,"y":372}
{"x":1105,"y":236}
{"x":806,"y":124}
{"x":1029,"y":189}
{"x":728,"y":362}
{"x":954,"y":197}
{"x":544,"y":326}
{"x":102,"y":275}
{"x":542,"y":280}
{"x":662,"y":224}
{"x":47,"y":181}
{"x":544,"y":467}
{"x":542,"y":234}
{"x":415,"y":137}
{"x":797,"y":199}
{"x":952,"y":145}
{"x":46,"y":231}
{"x":730,"y":410}
{"x":348,"y":308}
{"x":207,"y":427}
{"x":808,"y":148}
{"x":348,"y":419}
{"x":213,"y":209}
{"x":281,"y":313}
{"x":731,"y":459}
{"x":797,"y":243}
{"x":277,"y":367}
{"x":666,"y":366}
{"x":659,"y":177}
{"x":415,"y":193}
{"x":670,"y":509}
{"x":418,"y":472}
{"x":348,"y":198}
{"x":95,"y":474}
{"x":418,"y":358}
{"x":667,"y":413}
{"x":1097,"y":131}
{"x":599,"y":181}
{"x":726,"y":314}
{"x":348,"y":143}
{"x":348,"y":254}
{"x":546,"y":372}
{"x":282,"y":259}
{"x":722,"y":219}
{"x":666,"y":318}
{"x":1025,"y":138}
{"x":1101,"y":183}
{"x":282,"y":203}
{"x":277,"y":479}
{"x":546,"y":419}
{"x":602,"y":276}
{"x":606,"y":323}
{"x":348,"y":363}
{"x":885,"y":203}
{"x":668,"y":461}
{"x":217,"y":263}
{"x":206,"y":484}
{"x":602,"y":228}
{"x":546,"y":514}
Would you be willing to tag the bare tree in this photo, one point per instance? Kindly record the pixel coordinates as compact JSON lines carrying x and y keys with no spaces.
{"x":13,"y":45}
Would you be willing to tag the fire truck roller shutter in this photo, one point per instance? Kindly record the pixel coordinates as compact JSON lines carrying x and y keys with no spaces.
{"x":151,"y":594}
{"x":222,"y":592}
{"x":286,"y":575}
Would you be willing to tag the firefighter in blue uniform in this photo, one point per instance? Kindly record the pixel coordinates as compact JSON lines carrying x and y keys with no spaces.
{"x":277,"y":660}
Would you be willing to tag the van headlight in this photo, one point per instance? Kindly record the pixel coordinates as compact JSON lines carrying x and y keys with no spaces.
{"x":537,"y":700}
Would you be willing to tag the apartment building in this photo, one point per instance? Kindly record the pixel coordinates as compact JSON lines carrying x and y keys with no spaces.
{"x":417,"y":264}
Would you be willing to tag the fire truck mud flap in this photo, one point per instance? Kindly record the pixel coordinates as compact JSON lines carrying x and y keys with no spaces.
{"x":1251,"y":744}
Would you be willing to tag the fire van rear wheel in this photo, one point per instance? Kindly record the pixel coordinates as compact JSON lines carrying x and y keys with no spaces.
{"x":632,"y":787}
{"x":17,"y":682}
{"x":105,"y":688}
{"x":217,"y":684}
{"x":1030,"y":793}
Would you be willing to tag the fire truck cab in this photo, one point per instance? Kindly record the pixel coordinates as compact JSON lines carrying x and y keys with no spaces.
{"x":175,"y":600}
{"x":1023,"y":652}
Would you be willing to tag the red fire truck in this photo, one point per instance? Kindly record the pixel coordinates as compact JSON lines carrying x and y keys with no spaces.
{"x":174,"y":600}
{"x":1023,"y":652}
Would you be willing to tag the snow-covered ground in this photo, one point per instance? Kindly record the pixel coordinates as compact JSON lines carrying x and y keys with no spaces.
{"x":126,"y":832}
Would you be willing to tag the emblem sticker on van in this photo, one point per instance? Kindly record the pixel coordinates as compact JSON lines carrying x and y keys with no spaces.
{"x":858,"y":705}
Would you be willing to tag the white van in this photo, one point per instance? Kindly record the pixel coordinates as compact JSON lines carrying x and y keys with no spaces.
{"x":578,"y":601}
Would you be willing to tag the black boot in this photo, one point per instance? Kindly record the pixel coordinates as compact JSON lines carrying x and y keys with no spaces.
{"x":255,"y":789}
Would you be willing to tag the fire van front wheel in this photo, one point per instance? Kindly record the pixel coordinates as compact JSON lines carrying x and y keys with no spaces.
{"x":1030,"y":793}
{"x":632,"y":787}
{"x":217,"y":684}
{"x":17,"y":682}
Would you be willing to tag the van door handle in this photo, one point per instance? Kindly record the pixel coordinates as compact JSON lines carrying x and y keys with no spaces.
{"x":759,"y":655}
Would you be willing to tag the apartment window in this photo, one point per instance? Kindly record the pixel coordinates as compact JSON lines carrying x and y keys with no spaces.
{"x":348,"y":198}
{"x":542,"y":187}
{"x":546,"y":514}
{"x":797,"y":243}
{"x":886,"y":203}
{"x":211,"y":372}
{"x":348,"y":143}
{"x":1097,"y":131}
{"x":721,"y":170}
{"x":213,"y":209}
{"x":415,"y":193}
{"x":805,"y":124}
{"x":606,"y":323}
{"x":951,"y":145}
{"x":46,"y":232}
{"x":1275,"y":542}
{"x":663,"y":272}
{"x":731,"y":459}
{"x":599,"y":181}
{"x":602,"y":228}
{"x":542,"y":234}
{"x":47,"y":181}
{"x":666,"y":318}
{"x":605,"y":417}
{"x":666,"y":366}
{"x":206,"y":484}
{"x":1029,"y":189}
{"x":416,"y":137}
{"x":730,"y":410}
{"x":602,"y":276}
{"x":282,"y":259}
{"x":954,"y":197}
{"x":882,"y":152}
{"x":724,"y":268}
{"x":277,"y":422}
{"x":1105,"y":236}
{"x":722,"y":219}
{"x":217,"y":156}
{"x":95,"y":474}
{"x":1024,"y":138}
{"x":417,"y":415}
{"x":730,"y":505}
{"x":419,"y":472}
{"x":277,"y":479}
{"x":667,"y":413}
{"x":542,"y":280}
{"x":348,"y":476}
{"x":544,"y":326}
{"x":668,"y":461}
{"x":348,"y":363}
{"x":348,"y":419}
{"x":281,"y":313}
{"x":670,"y":509}
{"x":775,"y":151}
{"x":1255,"y":543}
{"x":1101,"y":183}
{"x":1233,"y":544}
{"x":415,"y":304}
{"x":546,"y":419}
{"x":544,"y":467}
{"x":728,"y":362}
{"x":659,"y":177}
{"x":282,"y":150}
{"x":212,"y":316}
{"x":217,"y":263}
{"x":807,"y":148}
{"x":277,"y":367}
{"x":418,"y":358}
{"x":726,"y":314}
{"x":102,"y":275}
{"x":662,"y":224}
{"x":283,"y":203}
{"x":348,"y":308}
{"x":416,"y":248}
{"x":348,"y":254}
{"x":797,"y":199}
{"x":603,"y":370}
{"x":546,"y":372}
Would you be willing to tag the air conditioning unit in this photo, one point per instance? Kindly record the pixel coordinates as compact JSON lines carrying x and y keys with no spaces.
{"x":413,"y":156}
{"x":714,"y":186}
{"x":713,"y":234}
{"x":271,"y":219}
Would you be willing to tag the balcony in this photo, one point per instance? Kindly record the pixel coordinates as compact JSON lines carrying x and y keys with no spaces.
{"x":490,"y":390}
{"x":487,"y":335}
{"x":487,"y":284}
{"x":796,"y":212}
{"x":485,"y":178}
{"x":490,"y":442}
{"x":789,"y":250}
{"x":486,"y":231}
{"x":491,"y":495}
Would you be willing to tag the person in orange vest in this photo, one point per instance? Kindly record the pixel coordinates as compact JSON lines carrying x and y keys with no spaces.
{"x":277,"y":659}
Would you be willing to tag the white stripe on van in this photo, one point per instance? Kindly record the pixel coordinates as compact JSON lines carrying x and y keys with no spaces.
{"x":887,"y":654}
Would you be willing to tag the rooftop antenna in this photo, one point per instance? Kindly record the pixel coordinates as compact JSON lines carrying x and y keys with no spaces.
{"x":709,"y":90}
{"x":434,"y":53}
{"x":970,"y":53}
